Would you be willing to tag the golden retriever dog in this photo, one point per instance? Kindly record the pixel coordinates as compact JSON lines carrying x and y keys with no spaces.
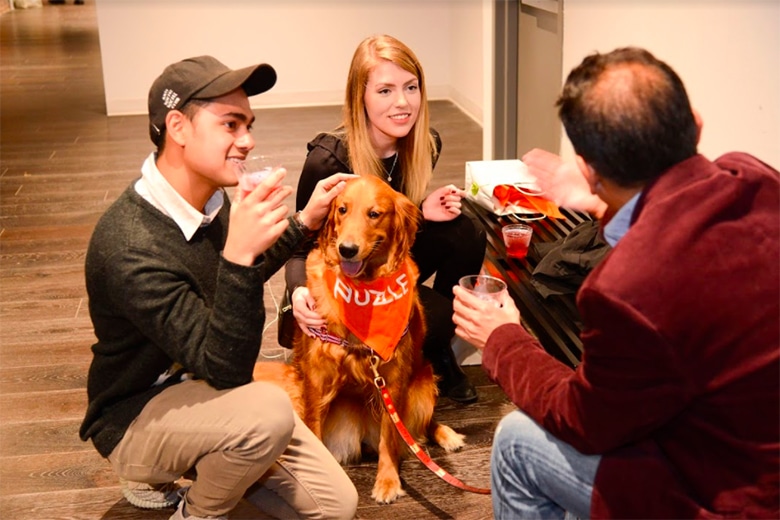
{"x":365,"y":284}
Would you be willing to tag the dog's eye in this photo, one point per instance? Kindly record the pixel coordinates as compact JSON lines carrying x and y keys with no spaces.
{"x":373,"y":215}
{"x":342,"y":210}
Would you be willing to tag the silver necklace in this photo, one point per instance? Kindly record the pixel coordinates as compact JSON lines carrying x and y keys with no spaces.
{"x":392,"y":168}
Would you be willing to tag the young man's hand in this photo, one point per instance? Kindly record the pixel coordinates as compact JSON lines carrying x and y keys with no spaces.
{"x":257,"y":220}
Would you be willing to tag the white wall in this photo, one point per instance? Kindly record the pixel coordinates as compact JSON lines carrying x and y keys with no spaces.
{"x":309,"y":42}
{"x":727,"y":53}
{"x":468,"y":42}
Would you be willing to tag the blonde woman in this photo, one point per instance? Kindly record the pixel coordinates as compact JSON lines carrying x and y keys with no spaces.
{"x":385,"y":131}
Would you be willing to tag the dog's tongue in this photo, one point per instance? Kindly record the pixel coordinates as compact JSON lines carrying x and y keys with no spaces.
{"x":351,"y":268}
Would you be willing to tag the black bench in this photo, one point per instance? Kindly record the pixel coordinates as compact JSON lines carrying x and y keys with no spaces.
{"x":554,"y":320}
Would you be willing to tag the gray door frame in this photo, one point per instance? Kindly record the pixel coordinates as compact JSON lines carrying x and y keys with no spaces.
{"x":509,"y":110}
{"x":506,"y":23}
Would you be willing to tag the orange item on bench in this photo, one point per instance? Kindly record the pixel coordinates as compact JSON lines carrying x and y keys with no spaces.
{"x":507,"y":194}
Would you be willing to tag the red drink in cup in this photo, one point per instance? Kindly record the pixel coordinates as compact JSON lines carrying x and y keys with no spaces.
{"x":517,"y":249}
{"x":517,"y":238}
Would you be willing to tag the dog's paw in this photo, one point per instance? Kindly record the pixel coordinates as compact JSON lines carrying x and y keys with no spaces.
{"x":387,"y":490}
{"x":448,"y":438}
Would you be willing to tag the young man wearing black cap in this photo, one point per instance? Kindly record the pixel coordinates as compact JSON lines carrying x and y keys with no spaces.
{"x":175,"y":276}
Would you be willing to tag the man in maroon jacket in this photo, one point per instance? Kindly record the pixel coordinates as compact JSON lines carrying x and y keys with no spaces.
{"x":674,"y":411}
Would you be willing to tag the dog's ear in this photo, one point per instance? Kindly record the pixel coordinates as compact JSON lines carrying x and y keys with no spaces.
{"x":407,"y":221}
{"x":327,"y":234}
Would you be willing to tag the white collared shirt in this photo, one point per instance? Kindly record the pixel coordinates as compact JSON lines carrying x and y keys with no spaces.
{"x":156,"y":190}
{"x":619,"y":224}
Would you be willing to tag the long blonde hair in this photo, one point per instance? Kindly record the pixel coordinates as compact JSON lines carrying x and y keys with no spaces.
{"x":416,"y":150}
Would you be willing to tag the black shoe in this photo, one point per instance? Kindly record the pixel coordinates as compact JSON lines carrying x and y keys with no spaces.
{"x":463,"y":392}
{"x":437,"y":348}
{"x":453,"y":381}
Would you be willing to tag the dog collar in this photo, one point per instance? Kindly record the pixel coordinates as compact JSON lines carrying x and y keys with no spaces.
{"x":327,"y":337}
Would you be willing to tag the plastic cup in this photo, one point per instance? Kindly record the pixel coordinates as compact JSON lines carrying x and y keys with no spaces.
{"x":488,"y":288}
{"x":517,"y":238}
{"x":252,"y":171}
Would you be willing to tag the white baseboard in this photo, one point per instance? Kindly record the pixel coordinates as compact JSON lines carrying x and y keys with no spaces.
{"x":132,"y":107}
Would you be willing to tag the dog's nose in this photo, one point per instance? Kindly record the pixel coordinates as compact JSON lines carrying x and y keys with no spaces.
{"x":347,"y":250}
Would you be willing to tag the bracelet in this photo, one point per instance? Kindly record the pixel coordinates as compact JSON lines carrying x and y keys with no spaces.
{"x":306,"y":230}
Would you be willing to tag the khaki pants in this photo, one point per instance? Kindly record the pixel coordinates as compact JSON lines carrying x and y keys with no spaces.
{"x":242,"y":441}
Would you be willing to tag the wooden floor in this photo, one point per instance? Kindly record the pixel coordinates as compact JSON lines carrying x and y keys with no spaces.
{"x":62,"y":162}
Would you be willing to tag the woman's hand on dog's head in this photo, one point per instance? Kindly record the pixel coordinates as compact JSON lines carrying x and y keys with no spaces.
{"x":313,"y":215}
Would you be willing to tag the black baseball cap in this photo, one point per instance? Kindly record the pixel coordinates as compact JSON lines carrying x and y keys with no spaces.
{"x":203,"y":77}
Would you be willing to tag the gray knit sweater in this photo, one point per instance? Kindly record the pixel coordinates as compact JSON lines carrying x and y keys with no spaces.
{"x":156,"y":299}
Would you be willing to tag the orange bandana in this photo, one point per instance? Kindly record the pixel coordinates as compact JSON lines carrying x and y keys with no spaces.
{"x":376,"y":312}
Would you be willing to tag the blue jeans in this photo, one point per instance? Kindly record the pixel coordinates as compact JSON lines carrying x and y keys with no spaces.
{"x":535,"y":475}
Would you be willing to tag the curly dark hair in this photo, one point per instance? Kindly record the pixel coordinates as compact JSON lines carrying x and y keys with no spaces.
{"x":628,"y":115}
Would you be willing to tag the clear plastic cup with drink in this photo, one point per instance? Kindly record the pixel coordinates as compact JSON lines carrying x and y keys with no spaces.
{"x":485,"y":287}
{"x":517,"y":238}
{"x":253,"y":170}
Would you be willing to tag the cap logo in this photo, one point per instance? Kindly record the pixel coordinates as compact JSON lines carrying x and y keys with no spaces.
{"x":170,"y":98}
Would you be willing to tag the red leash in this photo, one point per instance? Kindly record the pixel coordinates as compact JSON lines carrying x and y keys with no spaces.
{"x":379,"y":382}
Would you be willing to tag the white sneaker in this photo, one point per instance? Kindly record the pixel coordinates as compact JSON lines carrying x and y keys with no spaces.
{"x":179,"y":515}
{"x":150,"y":496}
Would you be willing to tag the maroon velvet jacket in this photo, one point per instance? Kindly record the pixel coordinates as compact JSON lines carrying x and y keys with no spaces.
{"x":679,"y":385}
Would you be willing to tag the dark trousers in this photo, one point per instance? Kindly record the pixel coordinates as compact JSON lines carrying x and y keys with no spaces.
{"x":447,"y":251}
